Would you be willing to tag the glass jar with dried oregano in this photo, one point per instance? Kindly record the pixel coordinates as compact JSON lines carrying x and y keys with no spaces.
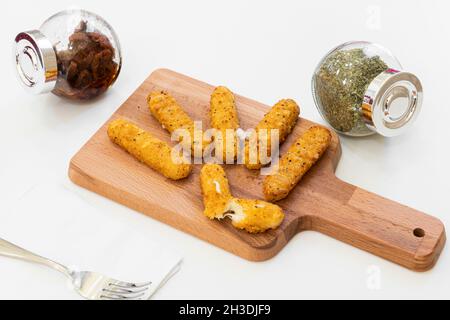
{"x":75,"y":54}
{"x":359,"y":89}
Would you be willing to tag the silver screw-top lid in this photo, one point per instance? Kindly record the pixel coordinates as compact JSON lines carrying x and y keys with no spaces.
{"x":35,"y":61}
{"x":392,"y":102}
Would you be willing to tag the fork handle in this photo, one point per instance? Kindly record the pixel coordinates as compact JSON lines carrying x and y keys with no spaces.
{"x":10,"y":250}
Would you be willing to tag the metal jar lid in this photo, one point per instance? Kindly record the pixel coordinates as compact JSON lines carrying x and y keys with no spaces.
{"x":35,"y":61}
{"x":392,"y":102}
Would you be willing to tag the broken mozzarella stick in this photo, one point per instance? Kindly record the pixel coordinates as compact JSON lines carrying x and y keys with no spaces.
{"x":143,"y":146}
{"x":215,"y":190}
{"x":172,"y":117}
{"x":224,"y":117}
{"x":300,"y":157}
{"x":282,"y":117}
{"x":254,"y":216}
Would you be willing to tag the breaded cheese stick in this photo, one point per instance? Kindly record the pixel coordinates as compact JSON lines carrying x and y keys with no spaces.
{"x":283,"y":116}
{"x":147,"y":149}
{"x":254,"y":216}
{"x":223,"y":115}
{"x":223,"y":109}
{"x":300,"y":157}
{"x":171,"y":115}
{"x":215,"y":190}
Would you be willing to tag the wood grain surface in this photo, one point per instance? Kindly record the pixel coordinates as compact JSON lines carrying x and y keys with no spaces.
{"x":321,"y":202}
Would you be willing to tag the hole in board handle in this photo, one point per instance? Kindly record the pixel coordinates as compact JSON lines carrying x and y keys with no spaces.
{"x":419,"y":233}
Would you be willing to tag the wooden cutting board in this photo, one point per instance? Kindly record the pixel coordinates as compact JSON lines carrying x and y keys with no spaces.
{"x":321,"y":202}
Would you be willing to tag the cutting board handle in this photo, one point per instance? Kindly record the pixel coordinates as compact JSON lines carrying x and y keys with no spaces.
{"x":383,"y":227}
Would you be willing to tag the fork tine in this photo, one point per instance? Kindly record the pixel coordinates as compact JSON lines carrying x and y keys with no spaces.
{"x":121,"y":297}
{"x":124,"y":291}
{"x":118,"y":290}
{"x":129,"y":285}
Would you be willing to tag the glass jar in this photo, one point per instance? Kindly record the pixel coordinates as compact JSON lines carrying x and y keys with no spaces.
{"x":360,"y":90}
{"x":75,"y":54}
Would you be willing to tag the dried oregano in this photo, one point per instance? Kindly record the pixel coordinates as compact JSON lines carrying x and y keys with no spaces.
{"x":341,"y":82}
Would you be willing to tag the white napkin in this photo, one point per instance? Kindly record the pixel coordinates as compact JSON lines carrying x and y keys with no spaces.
{"x":59,"y":222}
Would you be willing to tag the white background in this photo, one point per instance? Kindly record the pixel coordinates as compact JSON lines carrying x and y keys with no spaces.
{"x":265,"y":50}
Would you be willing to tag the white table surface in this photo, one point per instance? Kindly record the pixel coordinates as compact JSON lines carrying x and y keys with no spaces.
{"x":265,"y":50}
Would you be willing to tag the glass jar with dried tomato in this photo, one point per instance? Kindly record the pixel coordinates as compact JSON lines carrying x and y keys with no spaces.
{"x":75,"y":54}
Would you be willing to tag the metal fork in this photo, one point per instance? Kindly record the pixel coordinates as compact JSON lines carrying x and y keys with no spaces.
{"x":90,"y":285}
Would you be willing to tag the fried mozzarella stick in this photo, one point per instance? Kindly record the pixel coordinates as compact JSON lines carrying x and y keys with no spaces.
{"x":300,"y":157}
{"x":254,"y":216}
{"x":171,"y":115}
{"x":215,"y":190}
{"x":223,"y":115}
{"x":283,"y":117}
{"x":147,"y":149}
